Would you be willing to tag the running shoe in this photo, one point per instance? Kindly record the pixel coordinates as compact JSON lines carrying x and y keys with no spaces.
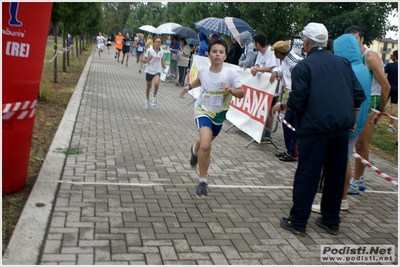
{"x":154,"y":101}
{"x":193,"y":158}
{"x":147,"y":105}
{"x":201,"y":190}
{"x":331,"y":229}
{"x":287,"y":224}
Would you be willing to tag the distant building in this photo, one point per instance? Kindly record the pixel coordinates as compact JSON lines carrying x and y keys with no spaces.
{"x":384,"y":47}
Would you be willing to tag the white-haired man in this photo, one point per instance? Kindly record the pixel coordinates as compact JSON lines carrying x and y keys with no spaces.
{"x":325,"y":95}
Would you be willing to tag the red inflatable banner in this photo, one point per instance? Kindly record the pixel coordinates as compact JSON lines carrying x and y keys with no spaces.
{"x":25,"y":28}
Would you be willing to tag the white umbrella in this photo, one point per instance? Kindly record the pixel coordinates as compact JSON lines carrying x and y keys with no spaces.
{"x":148,"y":28}
{"x":167,"y":28}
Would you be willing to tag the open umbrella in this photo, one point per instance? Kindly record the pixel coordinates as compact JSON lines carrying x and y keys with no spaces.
{"x":185,"y":31}
{"x":211,"y":24}
{"x":192,"y":41}
{"x":128,"y":31}
{"x":148,"y":28}
{"x":167,"y":28}
{"x":237,"y":26}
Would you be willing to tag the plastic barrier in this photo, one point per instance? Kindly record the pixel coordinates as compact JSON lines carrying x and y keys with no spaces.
{"x":25,"y":27}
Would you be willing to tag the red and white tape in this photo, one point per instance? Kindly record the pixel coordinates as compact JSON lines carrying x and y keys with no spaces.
{"x":286,"y":123}
{"x":65,"y":49}
{"x":19,"y":110}
{"x":358,"y":157}
{"x":383,"y":113}
{"x":365,"y":162}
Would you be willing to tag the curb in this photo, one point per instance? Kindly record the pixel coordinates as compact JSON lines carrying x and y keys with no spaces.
{"x":26,"y":243}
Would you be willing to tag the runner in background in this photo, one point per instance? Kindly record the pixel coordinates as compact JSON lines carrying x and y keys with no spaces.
{"x":118,"y":45}
{"x":126,"y":48}
{"x":109,"y":41}
{"x":100,"y":43}
{"x":140,"y":44}
{"x":155,"y":62}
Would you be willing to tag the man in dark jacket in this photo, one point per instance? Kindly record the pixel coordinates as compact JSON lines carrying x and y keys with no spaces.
{"x":326,"y":96}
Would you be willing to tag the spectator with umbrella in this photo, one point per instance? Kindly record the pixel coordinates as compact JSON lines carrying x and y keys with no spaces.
{"x":234,"y":52}
{"x":249,"y":56}
{"x":183,"y":61}
{"x":203,"y":45}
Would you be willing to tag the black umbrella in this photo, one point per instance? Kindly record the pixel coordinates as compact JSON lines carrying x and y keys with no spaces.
{"x":128,"y":31}
{"x":185,"y":31}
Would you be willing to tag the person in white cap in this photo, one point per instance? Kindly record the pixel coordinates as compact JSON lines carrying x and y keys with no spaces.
{"x":326,"y":96}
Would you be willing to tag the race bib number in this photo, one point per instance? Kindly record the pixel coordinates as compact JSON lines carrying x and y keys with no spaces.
{"x":212,"y":102}
{"x":140,"y":48}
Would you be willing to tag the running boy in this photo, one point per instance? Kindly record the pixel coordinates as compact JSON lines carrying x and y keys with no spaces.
{"x":218,"y":84}
{"x":155,"y":60}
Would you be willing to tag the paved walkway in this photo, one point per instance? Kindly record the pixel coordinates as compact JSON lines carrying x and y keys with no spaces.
{"x":129,"y":197}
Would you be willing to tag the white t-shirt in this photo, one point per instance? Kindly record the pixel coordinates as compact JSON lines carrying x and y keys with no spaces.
{"x":214,"y":101}
{"x":100,"y":41}
{"x":154,"y":66}
{"x":266,"y":60}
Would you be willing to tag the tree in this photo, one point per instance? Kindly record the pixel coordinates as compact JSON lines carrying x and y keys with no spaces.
{"x":370,"y":16}
{"x":116,"y":15}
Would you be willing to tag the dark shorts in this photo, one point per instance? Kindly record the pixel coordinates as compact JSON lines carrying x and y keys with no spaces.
{"x":108,"y":44}
{"x":207,"y":122}
{"x":150,"y":77}
{"x":126,"y":50}
{"x":393,"y":96}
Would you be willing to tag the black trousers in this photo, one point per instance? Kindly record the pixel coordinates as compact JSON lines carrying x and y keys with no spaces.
{"x":332,"y":155}
{"x":182,"y":75}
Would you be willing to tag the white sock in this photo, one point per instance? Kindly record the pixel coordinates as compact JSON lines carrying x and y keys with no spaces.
{"x":194,"y":152}
{"x":201,"y":180}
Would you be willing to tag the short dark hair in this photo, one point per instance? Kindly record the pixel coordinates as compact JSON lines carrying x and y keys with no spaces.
{"x":184,"y":40}
{"x":395,"y":54}
{"x":220,"y":42}
{"x":214,"y":35}
{"x":175,"y":37}
{"x":355,"y":29}
{"x":261,"y":39}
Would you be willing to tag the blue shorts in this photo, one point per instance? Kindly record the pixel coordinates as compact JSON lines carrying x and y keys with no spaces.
{"x":207,"y":122}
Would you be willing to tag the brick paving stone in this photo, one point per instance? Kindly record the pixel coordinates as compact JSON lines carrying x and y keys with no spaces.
{"x":85,"y":259}
{"x":70,"y":239}
{"x":218,"y":259}
{"x":116,"y":224}
{"x":52,"y":246}
{"x":153,"y":259}
{"x":77,"y":250}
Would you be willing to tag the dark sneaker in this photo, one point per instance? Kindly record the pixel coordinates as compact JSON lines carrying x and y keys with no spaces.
{"x":332,"y":229}
{"x":287,"y":224}
{"x":193,"y":158}
{"x":201,"y":190}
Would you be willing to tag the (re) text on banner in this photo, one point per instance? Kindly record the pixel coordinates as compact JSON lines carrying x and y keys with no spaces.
{"x":250,"y":113}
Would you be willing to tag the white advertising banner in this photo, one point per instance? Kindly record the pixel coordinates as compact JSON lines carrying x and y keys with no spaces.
{"x":249,"y":113}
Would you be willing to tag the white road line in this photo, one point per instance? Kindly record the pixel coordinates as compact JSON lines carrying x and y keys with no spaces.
{"x":188,"y":185}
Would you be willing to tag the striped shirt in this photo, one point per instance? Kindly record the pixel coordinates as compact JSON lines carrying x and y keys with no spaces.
{"x":287,"y":65}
